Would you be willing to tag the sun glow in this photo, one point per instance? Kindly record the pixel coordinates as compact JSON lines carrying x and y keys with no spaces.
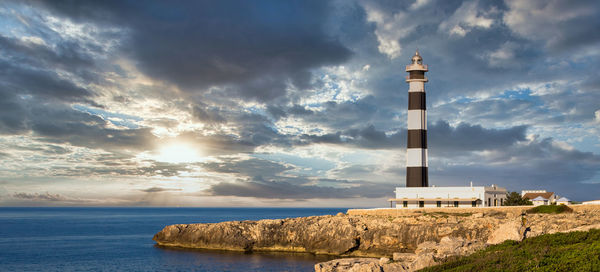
{"x":178,"y":153}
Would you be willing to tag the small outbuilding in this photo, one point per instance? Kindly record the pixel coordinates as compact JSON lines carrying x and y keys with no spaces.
{"x":563,"y":201}
{"x":540,"y":201}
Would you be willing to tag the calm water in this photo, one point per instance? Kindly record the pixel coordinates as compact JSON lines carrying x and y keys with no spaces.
{"x":111,"y":239}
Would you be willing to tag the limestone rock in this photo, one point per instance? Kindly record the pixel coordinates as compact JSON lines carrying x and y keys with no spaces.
{"x":507,"y":231}
{"x":347,"y":264}
{"x":426,"y":247}
{"x":384,"y":260}
{"x":404,"y":257}
{"x":423,"y":261}
{"x":417,"y":234}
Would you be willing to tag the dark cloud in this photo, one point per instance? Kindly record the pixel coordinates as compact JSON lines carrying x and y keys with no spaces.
{"x":40,"y":197}
{"x":207,"y":115}
{"x":286,"y":190}
{"x":31,"y":69}
{"x":562,"y":25}
{"x":121,"y":166}
{"x":266,"y":179}
{"x":256,"y":49}
{"x":83,"y":129}
{"x":67,"y":55}
{"x":540,"y":163}
{"x":442,"y":138}
{"x":12,"y":113}
{"x":158,"y":190}
{"x":249,"y":168}
{"x":466,"y":137}
{"x":45,"y":149}
{"x":354,"y":171}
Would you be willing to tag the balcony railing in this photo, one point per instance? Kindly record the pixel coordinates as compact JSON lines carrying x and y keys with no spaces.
{"x":418,"y":79}
{"x":413,"y":66}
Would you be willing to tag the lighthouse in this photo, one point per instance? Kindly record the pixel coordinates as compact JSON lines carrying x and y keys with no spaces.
{"x":417,"y":193}
{"x":416,"y":148}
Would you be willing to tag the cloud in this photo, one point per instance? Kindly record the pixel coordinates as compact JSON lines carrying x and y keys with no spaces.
{"x":559,"y":24}
{"x":504,"y":56}
{"x":442,"y":138}
{"x":535,"y":163}
{"x":248,"y":168}
{"x":466,"y":137}
{"x":40,"y":197}
{"x":256,"y":49}
{"x":467,"y":17}
{"x":390,"y":28}
{"x":419,"y":4}
{"x":286,"y":190}
{"x":83,"y":129}
{"x":267,"y":179}
{"x":206,"y":115}
{"x":158,"y":190}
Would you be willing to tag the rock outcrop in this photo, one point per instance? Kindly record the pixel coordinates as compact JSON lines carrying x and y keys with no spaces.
{"x":413,"y":240}
{"x":427,"y":254}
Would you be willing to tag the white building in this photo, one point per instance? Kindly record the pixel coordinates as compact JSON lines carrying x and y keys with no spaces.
{"x":531,"y":195}
{"x":591,"y":202}
{"x":563,"y":201}
{"x":539,"y":201}
{"x":468,"y":196}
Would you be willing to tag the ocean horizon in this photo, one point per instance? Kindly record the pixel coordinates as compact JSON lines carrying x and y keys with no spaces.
{"x":120,"y":239}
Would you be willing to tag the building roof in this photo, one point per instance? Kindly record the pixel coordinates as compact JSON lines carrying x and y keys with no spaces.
{"x":563,"y":199}
{"x":539,"y":198}
{"x":434,"y":199}
{"x":545,"y":195}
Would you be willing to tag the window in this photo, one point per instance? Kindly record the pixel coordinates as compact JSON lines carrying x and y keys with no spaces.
{"x":489,"y":201}
{"x":474,"y":203}
{"x":455,"y":203}
{"x":438,"y":203}
{"x":421,"y":204}
{"x":501,"y":201}
{"x":404,"y":204}
{"x":495,"y":202}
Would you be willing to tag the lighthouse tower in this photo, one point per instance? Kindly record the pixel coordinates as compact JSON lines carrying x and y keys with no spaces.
{"x":416,"y":149}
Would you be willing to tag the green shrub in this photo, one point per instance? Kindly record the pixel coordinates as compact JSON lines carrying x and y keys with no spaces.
{"x":550,"y":209}
{"x":573,"y":251}
{"x":515,"y":199}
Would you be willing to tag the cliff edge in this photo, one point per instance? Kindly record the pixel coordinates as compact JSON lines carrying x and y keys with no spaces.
{"x":375,"y":235}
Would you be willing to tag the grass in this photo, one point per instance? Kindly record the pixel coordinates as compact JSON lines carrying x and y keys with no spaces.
{"x":550,"y":209}
{"x":573,"y":251}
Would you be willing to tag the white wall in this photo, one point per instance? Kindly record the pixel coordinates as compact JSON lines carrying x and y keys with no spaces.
{"x":489,"y":195}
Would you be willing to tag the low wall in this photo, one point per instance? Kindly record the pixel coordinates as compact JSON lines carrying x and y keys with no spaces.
{"x":485,"y":210}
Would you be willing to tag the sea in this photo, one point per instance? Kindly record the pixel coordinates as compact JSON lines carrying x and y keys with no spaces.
{"x":120,"y":239}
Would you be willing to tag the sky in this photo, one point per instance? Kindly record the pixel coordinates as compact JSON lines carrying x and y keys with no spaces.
{"x":292,"y":103}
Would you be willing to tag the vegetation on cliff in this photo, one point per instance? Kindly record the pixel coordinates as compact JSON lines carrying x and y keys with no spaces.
{"x":550,"y":209}
{"x":515,"y":199}
{"x":573,"y":251}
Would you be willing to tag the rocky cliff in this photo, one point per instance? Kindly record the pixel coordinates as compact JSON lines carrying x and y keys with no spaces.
{"x":373,"y":235}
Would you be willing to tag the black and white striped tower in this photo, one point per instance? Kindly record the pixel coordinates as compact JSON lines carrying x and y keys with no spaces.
{"x":416,"y":149}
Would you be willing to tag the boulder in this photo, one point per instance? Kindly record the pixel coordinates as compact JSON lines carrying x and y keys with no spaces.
{"x":422,"y":261}
{"x":510,"y":230}
{"x":349,"y":264}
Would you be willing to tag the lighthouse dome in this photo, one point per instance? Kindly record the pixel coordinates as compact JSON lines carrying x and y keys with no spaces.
{"x":416,"y":59}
